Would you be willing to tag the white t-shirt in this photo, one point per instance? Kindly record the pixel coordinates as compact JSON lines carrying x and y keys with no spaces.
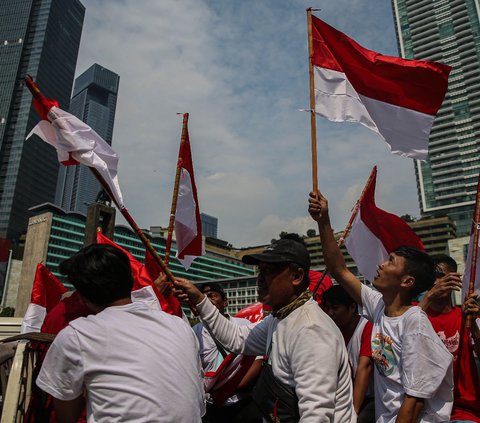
{"x":137,"y":364}
{"x":308,"y":354}
{"x":210,"y":356}
{"x":409,"y":359}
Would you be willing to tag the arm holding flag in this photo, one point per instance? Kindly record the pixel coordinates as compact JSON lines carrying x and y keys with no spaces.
{"x":318,"y":209}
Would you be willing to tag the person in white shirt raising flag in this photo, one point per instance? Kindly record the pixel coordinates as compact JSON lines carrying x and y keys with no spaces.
{"x":413,"y":369}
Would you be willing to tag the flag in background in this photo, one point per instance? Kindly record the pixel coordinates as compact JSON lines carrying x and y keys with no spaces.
{"x":47,"y":291}
{"x":397,"y":98}
{"x":375,"y":233}
{"x":188,"y":227}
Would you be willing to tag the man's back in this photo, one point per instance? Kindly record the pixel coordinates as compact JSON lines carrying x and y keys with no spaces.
{"x":137,"y":364}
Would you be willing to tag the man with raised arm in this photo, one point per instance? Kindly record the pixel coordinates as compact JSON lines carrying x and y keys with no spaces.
{"x":306,"y":376}
{"x":413,"y":369}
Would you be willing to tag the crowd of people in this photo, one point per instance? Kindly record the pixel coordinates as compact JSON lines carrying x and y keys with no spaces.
{"x":365,"y":355}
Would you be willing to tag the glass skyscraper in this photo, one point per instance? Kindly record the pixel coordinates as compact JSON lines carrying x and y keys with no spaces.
{"x":40,"y":38}
{"x":447,"y":31}
{"x":94,"y":101}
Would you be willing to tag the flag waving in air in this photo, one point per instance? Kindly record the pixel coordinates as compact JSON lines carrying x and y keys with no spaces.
{"x":76,"y":142}
{"x":375,"y":233}
{"x":397,"y":98}
{"x":47,"y":291}
{"x":188,"y":227}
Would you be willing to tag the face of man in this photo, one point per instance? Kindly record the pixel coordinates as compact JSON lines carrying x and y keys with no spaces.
{"x":341,"y":314}
{"x":390,"y":274}
{"x":441,"y":270}
{"x":216,"y":298}
{"x":277,"y":284}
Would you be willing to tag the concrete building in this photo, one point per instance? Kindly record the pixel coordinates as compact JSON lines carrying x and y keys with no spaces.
{"x":447,"y":31}
{"x":40,"y":38}
{"x":94,"y":101}
{"x":55,"y":234}
{"x":435,"y":233}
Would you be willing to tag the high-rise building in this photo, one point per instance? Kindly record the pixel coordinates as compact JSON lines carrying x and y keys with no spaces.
{"x":209,"y":225}
{"x":94,"y":101}
{"x":447,"y":31}
{"x":40,"y":38}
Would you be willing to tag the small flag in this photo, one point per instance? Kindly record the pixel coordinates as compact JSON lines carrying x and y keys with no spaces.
{"x":375,"y":233}
{"x":397,"y":98}
{"x":47,"y":291}
{"x":188,"y":227}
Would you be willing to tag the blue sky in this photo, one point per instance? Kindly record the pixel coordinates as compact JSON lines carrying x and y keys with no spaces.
{"x":240,"y":69}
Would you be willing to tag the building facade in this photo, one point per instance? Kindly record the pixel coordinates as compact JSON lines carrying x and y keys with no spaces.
{"x":209,"y":225}
{"x":94,"y":101}
{"x":40,"y":38}
{"x":447,"y":31}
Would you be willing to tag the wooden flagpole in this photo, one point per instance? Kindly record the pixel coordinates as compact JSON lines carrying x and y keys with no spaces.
{"x":371,"y":178}
{"x":33,"y":87}
{"x":173,"y":209}
{"x":473,"y":264}
{"x":313,"y":123}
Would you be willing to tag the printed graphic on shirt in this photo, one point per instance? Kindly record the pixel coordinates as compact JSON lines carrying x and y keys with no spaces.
{"x":382,"y":354}
{"x":451,"y":343}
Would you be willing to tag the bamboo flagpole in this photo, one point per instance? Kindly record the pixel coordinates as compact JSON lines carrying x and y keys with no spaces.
{"x":33,"y":87}
{"x":341,"y":240}
{"x":475,"y":234}
{"x":173,"y":209}
{"x":313,"y":123}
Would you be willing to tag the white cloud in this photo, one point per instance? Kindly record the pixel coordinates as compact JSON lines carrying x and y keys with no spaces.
{"x":240,"y":69}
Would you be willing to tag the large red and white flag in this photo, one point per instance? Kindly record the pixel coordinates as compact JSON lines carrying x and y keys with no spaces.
{"x":375,"y":233}
{"x":397,"y":98}
{"x":188,"y":227}
{"x":47,"y":291}
{"x":77,"y":143}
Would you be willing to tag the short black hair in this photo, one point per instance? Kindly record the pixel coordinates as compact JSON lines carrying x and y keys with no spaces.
{"x":336,"y":294}
{"x":447,"y":260}
{"x":297,"y":238}
{"x":101,"y":273}
{"x":215,"y":287}
{"x":419,"y":265}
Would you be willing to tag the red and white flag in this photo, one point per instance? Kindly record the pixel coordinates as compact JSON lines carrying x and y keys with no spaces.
{"x":397,"y":98}
{"x":375,"y":233}
{"x":188,"y":227}
{"x":468,"y":268}
{"x":76,"y":143}
{"x":47,"y":291}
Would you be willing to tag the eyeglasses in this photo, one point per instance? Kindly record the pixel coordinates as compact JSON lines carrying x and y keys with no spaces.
{"x":439,"y":274}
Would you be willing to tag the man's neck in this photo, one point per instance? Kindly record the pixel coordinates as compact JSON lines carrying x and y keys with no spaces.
{"x":349,"y":328}
{"x":395,"y":305}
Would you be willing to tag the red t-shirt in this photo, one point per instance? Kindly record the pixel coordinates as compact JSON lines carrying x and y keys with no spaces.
{"x":366,"y":342}
{"x":449,"y":327}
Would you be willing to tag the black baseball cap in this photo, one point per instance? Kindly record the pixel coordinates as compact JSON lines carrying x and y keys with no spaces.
{"x":284,"y":250}
{"x":213,"y":287}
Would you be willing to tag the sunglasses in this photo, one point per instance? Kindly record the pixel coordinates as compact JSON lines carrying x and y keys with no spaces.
{"x":439,"y":274}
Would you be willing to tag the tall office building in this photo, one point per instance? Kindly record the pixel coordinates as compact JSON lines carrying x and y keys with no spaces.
{"x":94,"y":101}
{"x":447,"y":31}
{"x":40,"y":38}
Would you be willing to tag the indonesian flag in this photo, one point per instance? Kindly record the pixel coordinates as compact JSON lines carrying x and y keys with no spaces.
{"x":375,"y":233}
{"x":397,"y":98}
{"x":252,"y":312}
{"x":76,"y":143}
{"x":47,"y":291}
{"x":188,"y":227}
{"x":144,"y":275}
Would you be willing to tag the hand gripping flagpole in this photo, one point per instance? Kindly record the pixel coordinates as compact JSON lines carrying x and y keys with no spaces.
{"x":33,"y":87}
{"x":173,"y":209}
{"x":313,"y":123}
{"x":473,"y":265}
{"x":341,"y":240}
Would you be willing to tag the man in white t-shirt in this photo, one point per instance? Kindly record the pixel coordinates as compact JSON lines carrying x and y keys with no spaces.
{"x":135,"y":362}
{"x":413,"y":369}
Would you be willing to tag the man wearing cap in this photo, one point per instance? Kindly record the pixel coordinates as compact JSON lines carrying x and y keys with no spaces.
{"x":306,"y":375}
{"x":239,"y":407}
